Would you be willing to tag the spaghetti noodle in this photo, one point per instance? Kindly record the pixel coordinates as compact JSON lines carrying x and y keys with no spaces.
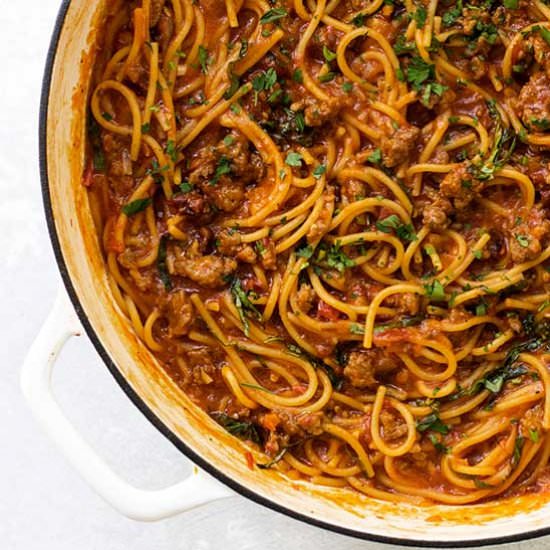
{"x":328,"y":219}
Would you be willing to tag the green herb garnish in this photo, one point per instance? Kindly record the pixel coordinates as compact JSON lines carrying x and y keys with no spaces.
{"x":392,"y":223}
{"x":161,"y":264}
{"x":432,"y":423}
{"x":435,"y":291}
{"x":319,"y":171}
{"x":243,"y":304}
{"x":294,"y":159}
{"x":222,"y":169}
{"x":203,"y":59}
{"x":273,"y":15}
{"x":240,"y":428}
{"x":136,"y":206}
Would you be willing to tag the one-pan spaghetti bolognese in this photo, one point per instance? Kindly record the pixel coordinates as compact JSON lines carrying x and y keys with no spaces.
{"x":328,"y":220}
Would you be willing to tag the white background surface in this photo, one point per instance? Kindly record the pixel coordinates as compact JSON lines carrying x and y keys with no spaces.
{"x":43,"y":503}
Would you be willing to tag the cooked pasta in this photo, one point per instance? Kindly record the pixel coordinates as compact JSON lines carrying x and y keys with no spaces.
{"x":328,"y":220}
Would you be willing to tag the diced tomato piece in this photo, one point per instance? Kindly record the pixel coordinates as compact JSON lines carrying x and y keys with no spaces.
{"x":88,"y":177}
{"x":326,"y":312}
{"x":392,"y":336}
{"x":270,"y":421}
{"x":112,"y":244}
{"x":299,"y":388}
{"x":251,"y":284}
{"x":249,"y":459}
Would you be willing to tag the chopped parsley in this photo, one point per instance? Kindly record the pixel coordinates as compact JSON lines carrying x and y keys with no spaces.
{"x":319,"y":171}
{"x":273,"y":15}
{"x":359,"y":20}
{"x":186,"y":187}
{"x":243,"y":304}
{"x":294,"y":159}
{"x":432,"y":88}
{"x":347,"y":87}
{"x":375,"y":157}
{"x":401,"y":323}
{"x":355,"y":328}
{"x":543,"y":31}
{"x":337,"y":259}
{"x":298,"y":76}
{"x":480,"y":484}
{"x":157,"y":171}
{"x":392,"y":223}
{"x":451,"y":16}
{"x":234,"y":83}
{"x":401,"y":46}
{"x":299,"y":121}
{"x":432,"y":423}
{"x":222,"y":169}
{"x":327,"y":77}
{"x":328,"y":54}
{"x":336,"y":380}
{"x":171,"y":150}
{"x":418,"y":72}
{"x":203,"y":59}
{"x":244,"y":48}
{"x":420,"y":16}
{"x":439,"y":446}
{"x":99,"y":160}
{"x":503,"y":147}
{"x":540,"y":123}
{"x":161,"y":265}
{"x":136,"y":206}
{"x":481,"y":309}
{"x":522,"y":240}
{"x":435,"y":291}
{"x":305,"y":252}
{"x":494,"y":382}
{"x":264,"y":81}
{"x":421,"y":76}
{"x":518,"y":446}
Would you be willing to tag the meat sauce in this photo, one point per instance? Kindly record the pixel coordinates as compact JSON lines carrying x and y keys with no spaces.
{"x":339,"y":252}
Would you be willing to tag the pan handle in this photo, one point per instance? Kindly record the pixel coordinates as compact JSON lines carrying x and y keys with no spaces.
{"x":138,"y":504}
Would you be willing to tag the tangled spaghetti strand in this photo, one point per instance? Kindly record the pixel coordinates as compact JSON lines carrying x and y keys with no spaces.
{"x":328,"y":219}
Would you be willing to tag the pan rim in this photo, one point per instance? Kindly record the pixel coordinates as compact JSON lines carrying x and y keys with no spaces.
{"x":139,"y":402}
